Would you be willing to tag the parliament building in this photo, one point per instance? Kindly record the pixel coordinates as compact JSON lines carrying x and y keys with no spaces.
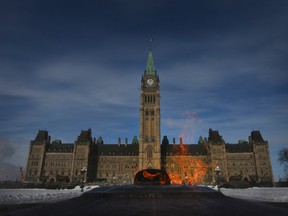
{"x":89,"y":159}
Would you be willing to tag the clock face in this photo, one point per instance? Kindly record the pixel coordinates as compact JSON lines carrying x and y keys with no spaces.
{"x":150,"y":82}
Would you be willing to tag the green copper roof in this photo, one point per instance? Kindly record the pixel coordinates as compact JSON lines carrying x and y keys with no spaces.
{"x":150,"y":68}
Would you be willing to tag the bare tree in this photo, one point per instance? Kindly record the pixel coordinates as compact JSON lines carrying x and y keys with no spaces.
{"x":283,"y":159}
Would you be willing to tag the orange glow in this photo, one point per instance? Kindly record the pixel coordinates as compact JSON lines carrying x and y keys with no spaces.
{"x":148,"y":175}
{"x":162,"y":178}
{"x":183,"y":150}
{"x":152,"y":177}
{"x":186,"y":169}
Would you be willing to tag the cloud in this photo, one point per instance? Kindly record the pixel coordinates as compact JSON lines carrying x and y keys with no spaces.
{"x":234,"y":95}
{"x":90,"y":92}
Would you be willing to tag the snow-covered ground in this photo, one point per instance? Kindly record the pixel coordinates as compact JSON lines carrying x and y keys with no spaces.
{"x":19,"y":196}
{"x":258,"y":194}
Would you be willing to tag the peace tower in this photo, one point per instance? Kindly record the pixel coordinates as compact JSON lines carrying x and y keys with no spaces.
{"x":149,"y":143}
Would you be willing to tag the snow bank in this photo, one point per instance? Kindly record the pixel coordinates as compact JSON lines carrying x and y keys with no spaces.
{"x":19,"y":196}
{"x":258,"y":194}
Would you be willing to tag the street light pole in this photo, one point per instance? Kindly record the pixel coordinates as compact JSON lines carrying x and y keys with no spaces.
{"x":114,"y":180}
{"x":186,"y":180}
{"x":83,"y":171}
{"x":217,"y":171}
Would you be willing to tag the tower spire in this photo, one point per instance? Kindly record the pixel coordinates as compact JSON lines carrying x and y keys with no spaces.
{"x":150,"y":68}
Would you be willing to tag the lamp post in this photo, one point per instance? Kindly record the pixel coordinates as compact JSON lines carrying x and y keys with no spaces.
{"x":186,"y":180}
{"x":114,"y":180}
{"x":217,"y":171}
{"x":83,"y":171}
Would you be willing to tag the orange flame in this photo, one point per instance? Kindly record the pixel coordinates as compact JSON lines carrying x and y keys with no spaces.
{"x":148,"y":175}
{"x":181,"y":167}
{"x":161,"y":177}
{"x":184,"y":169}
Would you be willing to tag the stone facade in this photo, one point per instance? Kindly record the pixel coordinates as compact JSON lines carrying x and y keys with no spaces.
{"x":89,"y":159}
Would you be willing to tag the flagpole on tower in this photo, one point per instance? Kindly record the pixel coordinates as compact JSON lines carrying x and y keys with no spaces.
{"x":151,"y":40}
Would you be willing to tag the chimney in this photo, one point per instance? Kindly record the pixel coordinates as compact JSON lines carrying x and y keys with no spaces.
{"x":174,"y":141}
{"x":181,"y":141}
{"x":126,"y":142}
{"x":119,"y":141}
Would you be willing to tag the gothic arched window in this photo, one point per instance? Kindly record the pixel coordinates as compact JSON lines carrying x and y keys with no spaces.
{"x":149,"y":153}
{"x":146,"y":112}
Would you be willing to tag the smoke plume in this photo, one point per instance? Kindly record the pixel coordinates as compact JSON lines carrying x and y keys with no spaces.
{"x":8,"y":171}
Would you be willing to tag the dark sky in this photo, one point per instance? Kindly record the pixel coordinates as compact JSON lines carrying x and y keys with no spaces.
{"x":68,"y":65}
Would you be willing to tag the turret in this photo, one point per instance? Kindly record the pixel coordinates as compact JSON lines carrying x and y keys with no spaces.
{"x":218,"y":153}
{"x":82,"y":151}
{"x":262,"y":157}
{"x":36,"y":157}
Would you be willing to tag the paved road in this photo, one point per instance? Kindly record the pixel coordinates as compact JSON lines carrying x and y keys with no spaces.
{"x":155,"y":201}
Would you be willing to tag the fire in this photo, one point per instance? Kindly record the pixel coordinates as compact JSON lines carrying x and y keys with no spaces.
{"x":192,"y":172}
{"x":183,"y":149}
{"x":186,"y":169}
{"x":185,"y":166}
{"x":152,"y":177}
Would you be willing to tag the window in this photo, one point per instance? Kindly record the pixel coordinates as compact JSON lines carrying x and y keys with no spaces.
{"x":149,"y":153}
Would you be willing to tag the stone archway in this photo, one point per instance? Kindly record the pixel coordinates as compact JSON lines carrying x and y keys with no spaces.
{"x":245,"y":178}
